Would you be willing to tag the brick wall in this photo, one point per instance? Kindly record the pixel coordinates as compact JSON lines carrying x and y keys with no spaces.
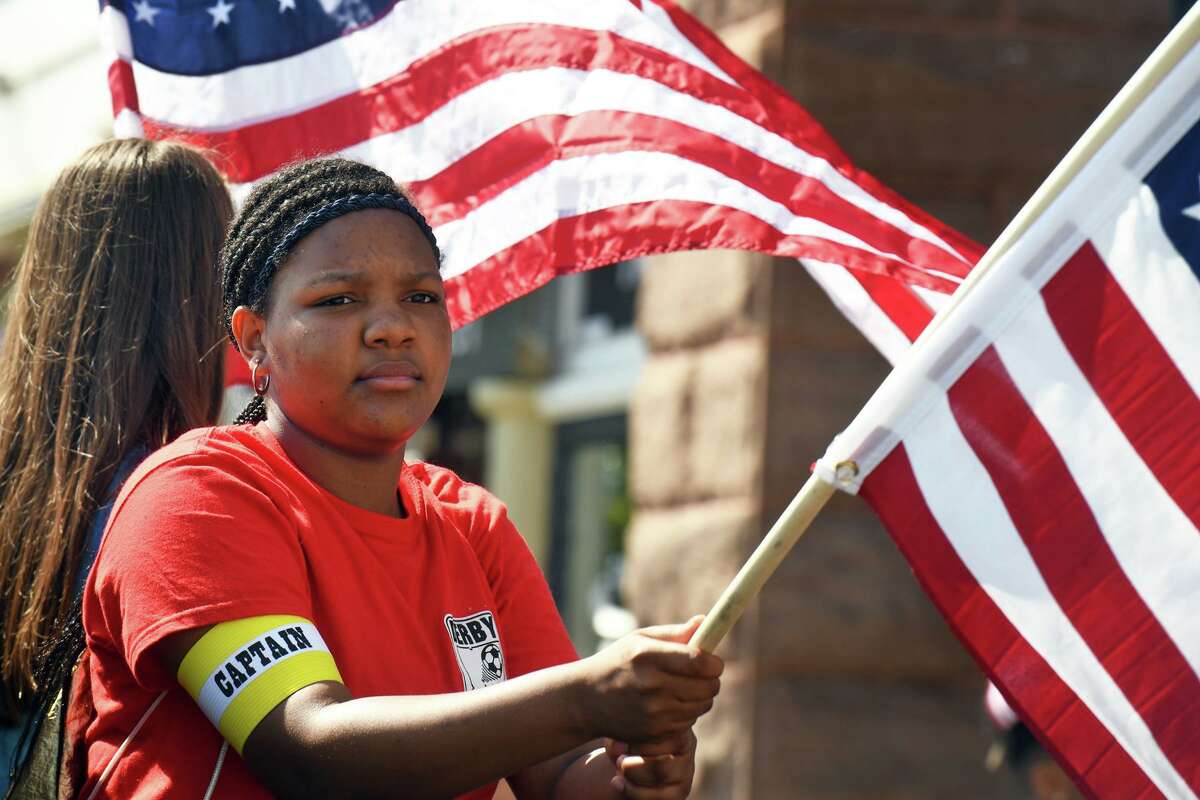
{"x":964,"y":106}
{"x":697,"y":455}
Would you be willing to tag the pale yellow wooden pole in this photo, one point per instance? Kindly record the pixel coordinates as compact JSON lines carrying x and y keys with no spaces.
{"x":805,"y":506}
{"x":790,"y":526}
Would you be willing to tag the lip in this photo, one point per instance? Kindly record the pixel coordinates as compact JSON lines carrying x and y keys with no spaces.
{"x":391,"y":375}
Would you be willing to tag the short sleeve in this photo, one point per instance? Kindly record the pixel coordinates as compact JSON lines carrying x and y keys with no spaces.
{"x":534,"y":635}
{"x":530,"y":626}
{"x":191,"y":543}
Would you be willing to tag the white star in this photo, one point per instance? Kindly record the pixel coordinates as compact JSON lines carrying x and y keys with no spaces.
{"x":284,"y":5}
{"x":145,"y":12}
{"x":220,"y":13}
{"x":1193,"y":212}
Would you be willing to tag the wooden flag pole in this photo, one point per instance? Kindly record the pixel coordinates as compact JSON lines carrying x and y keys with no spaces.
{"x":790,"y":526}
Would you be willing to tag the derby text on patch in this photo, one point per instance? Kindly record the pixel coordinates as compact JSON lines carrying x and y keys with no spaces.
{"x":477,"y":649}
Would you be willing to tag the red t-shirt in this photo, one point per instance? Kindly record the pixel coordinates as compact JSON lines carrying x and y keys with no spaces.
{"x":221,"y":525}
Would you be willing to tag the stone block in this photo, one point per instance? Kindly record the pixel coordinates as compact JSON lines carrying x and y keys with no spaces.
{"x":812,"y":396}
{"x":805,"y":320}
{"x":969,"y":211}
{"x":719,"y":14}
{"x":845,"y":604}
{"x":677,"y":562}
{"x":1087,"y":15}
{"x":692,"y":298}
{"x":758,"y":39}
{"x":660,"y":430}
{"x":848,"y":740}
{"x":844,"y":601}
{"x":728,"y":418}
{"x":821,"y":372}
{"x":723,"y":749}
{"x":860,"y":12}
{"x":980,"y":104}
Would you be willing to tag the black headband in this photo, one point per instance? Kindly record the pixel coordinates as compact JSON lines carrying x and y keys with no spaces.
{"x":344,"y":205}
{"x":331,"y":211}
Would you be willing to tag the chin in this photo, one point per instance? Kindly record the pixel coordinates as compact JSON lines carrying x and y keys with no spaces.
{"x":381,"y":439}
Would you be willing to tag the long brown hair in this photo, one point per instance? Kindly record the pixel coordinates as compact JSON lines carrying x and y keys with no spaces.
{"x":112,"y":343}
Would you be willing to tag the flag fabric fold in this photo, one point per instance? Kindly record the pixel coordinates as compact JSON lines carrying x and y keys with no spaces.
{"x":1037,"y":458}
{"x":540,"y":138}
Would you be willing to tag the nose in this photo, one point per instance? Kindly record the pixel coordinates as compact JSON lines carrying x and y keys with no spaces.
{"x":390,"y":326}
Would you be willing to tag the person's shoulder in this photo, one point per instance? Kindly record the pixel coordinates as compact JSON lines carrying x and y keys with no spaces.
{"x":201,"y":487}
{"x":226,"y":450}
{"x":477,"y":514}
{"x":451,"y":495}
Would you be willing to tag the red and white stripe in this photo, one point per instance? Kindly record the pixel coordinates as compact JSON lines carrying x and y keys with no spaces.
{"x":1072,"y":511}
{"x":1037,"y":458}
{"x":552,"y":136}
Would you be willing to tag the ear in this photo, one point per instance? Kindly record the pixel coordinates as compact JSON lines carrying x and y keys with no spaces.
{"x":248,"y":330}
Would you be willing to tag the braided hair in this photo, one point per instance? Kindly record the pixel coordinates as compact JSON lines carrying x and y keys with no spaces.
{"x":281,"y":211}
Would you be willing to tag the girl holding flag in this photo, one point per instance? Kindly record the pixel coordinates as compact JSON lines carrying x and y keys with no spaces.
{"x":285,"y":606}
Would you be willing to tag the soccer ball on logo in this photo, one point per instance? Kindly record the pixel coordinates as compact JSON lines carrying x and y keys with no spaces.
{"x":493,"y":662}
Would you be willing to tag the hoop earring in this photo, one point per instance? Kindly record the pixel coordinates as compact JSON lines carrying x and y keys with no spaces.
{"x":259,"y":390}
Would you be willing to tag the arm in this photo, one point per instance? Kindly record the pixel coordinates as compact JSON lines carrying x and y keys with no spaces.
{"x":658,"y":770}
{"x":321,"y":741}
{"x":538,"y":640}
{"x":585,"y":773}
{"x":661,"y":770}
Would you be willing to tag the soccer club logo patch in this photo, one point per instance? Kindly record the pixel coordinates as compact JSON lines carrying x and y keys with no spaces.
{"x":477,"y":648}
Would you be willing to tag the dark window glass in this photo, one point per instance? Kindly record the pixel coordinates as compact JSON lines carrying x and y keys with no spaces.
{"x":610,"y":293}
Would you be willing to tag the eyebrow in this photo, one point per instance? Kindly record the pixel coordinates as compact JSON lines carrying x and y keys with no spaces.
{"x":349,"y":276}
{"x":339,"y":276}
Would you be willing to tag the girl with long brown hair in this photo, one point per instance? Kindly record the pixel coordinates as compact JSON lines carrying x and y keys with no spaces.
{"x":111,"y":350}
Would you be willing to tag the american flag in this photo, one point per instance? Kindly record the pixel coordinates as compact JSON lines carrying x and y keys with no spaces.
{"x":1037,"y":459}
{"x":540,"y":137}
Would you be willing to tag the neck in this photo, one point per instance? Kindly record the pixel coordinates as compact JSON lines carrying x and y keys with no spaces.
{"x":365,"y":480}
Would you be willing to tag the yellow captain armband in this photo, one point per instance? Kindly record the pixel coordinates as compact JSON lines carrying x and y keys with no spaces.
{"x":240,"y":670}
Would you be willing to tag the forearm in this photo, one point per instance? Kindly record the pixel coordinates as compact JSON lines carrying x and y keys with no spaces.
{"x":585,"y":773}
{"x":423,"y":746}
{"x":587,"y":777}
{"x":320,"y":742}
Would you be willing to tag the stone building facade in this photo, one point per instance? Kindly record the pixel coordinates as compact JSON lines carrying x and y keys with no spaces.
{"x":842,"y":681}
